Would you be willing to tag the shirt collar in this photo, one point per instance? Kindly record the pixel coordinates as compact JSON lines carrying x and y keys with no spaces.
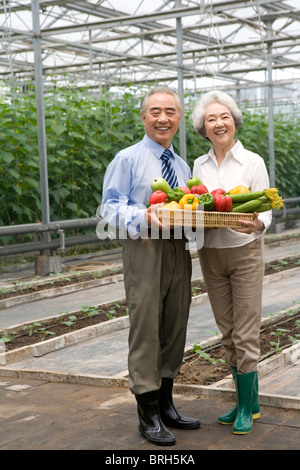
{"x":155,"y":147}
{"x":236,"y":152}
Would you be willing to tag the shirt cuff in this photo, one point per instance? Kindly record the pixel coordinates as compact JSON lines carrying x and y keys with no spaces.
{"x":266,"y":218}
{"x":138,"y":223}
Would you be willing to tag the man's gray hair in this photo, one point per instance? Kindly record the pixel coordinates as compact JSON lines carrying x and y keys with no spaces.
{"x":215,"y":96}
{"x":160,"y":89}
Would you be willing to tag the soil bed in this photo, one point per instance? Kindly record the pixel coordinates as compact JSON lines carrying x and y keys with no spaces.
{"x":28,"y":286}
{"x":66,"y":323}
{"x":195,"y":369}
{"x":205,"y":371}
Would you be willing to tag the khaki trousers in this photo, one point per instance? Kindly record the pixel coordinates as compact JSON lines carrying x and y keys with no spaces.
{"x":157,"y":276}
{"x":234,"y":281}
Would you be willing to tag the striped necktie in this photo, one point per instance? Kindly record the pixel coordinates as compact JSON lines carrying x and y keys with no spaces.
{"x":168,"y":172}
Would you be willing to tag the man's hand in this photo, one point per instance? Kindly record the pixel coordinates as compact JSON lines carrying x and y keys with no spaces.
{"x":151,"y":216}
{"x":255,"y":225}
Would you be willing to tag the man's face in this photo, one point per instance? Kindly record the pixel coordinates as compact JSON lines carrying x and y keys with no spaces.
{"x":162,"y":118}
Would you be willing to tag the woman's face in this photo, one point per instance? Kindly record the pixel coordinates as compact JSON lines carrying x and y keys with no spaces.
{"x":219,"y":125}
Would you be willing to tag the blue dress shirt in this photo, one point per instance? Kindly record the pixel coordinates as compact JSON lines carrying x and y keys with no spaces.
{"x":127,"y":184}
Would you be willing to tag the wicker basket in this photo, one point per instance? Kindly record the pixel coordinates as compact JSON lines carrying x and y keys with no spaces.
{"x":194,"y":218}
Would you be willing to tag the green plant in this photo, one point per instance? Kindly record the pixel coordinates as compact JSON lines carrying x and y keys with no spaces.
{"x":7,"y":337}
{"x":89,"y":311}
{"x":110,"y":314}
{"x":70,"y":321}
{"x":278,"y":332}
{"x":46,"y":332}
{"x":194,"y":290}
{"x":33,"y":328}
{"x":197,"y":349}
{"x":294,"y":339}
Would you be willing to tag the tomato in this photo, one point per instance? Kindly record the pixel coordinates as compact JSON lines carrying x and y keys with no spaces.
{"x":185,"y":189}
{"x":200,"y":189}
{"x":158,"y":197}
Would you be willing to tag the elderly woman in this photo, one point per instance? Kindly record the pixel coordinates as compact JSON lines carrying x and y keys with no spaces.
{"x":232,"y":261}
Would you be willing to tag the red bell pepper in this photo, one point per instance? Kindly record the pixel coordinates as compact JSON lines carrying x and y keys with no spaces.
{"x":218,"y":191}
{"x":222,"y":203}
{"x":157,"y":197}
{"x":200,"y":189}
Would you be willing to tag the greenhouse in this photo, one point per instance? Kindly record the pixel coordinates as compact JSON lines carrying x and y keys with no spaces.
{"x":150,"y":227}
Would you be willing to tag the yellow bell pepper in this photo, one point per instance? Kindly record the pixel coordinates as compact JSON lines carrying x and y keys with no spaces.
{"x":172,"y":205}
{"x":189,"y":201}
{"x":239,"y":190}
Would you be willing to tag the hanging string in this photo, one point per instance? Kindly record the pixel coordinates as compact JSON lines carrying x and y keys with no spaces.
{"x":6,"y":40}
{"x":257,"y":9}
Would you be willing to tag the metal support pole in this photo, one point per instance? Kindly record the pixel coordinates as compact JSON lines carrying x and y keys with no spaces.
{"x":270,"y":108}
{"x":90,"y":55}
{"x":38,"y":68}
{"x":182,"y":136}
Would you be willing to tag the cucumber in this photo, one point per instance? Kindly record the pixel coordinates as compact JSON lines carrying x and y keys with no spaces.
{"x":264,"y":199}
{"x":235,"y":204}
{"x":264,"y":207}
{"x":244,"y":197}
{"x":249,"y":206}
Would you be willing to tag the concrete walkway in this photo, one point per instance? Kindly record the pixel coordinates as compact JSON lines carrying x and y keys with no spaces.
{"x":42,"y":415}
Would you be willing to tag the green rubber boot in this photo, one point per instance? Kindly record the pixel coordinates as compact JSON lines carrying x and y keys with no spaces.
{"x":228,"y":418}
{"x":243,"y":422}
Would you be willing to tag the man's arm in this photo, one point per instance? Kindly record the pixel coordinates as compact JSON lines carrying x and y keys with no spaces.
{"x":115,"y":207}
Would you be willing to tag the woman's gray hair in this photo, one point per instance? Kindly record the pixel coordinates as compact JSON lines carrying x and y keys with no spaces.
{"x":215,"y":96}
{"x":161,"y":89}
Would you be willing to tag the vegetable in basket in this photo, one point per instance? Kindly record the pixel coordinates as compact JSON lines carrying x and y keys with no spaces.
{"x":185,"y":189}
{"x":195,"y":181}
{"x":172,"y":205}
{"x":160,"y":184}
{"x":258,"y":201}
{"x":222,"y":203}
{"x":175,"y":194}
{"x":200,"y":189}
{"x":158,"y":197}
{"x":207,"y":200}
{"x":244,"y":197}
{"x":218,"y":191}
{"x":249,"y":206}
{"x":189,"y":201}
{"x":238,"y":190}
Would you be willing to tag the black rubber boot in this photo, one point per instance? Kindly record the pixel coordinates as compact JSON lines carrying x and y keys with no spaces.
{"x":168,"y":412}
{"x":151,"y":425}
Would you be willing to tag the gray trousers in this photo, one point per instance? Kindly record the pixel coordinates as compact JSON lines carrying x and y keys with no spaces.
{"x":157,"y":276}
{"x":234,"y":282}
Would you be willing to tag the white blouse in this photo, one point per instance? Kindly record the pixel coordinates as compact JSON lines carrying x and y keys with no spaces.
{"x":239,"y":167}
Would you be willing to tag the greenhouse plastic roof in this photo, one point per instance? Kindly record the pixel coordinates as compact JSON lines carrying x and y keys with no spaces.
{"x":227,"y":43}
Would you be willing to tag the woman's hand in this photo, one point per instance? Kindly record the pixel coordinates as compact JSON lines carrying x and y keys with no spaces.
{"x":254,"y":225}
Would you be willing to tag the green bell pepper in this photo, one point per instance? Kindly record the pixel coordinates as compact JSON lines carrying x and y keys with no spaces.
{"x":175,"y":194}
{"x":207,"y":200}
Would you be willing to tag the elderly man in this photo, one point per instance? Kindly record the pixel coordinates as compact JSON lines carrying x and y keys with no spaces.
{"x":157,"y":271}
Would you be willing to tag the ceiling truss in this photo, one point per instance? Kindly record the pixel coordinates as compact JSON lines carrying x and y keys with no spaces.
{"x":96,"y":42}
